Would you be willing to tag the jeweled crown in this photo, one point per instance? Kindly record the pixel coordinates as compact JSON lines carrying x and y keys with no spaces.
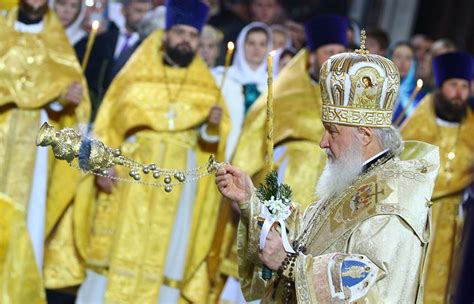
{"x":359,"y":89}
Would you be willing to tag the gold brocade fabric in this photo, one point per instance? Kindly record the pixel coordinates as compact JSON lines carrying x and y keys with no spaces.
{"x":422,"y":126}
{"x":130,"y":229}
{"x":447,"y":193}
{"x":18,"y":130}
{"x":20,"y":283}
{"x":389,"y":226}
{"x":35,"y":69}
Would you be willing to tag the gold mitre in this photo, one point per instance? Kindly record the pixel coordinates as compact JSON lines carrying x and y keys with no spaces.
{"x":359,"y":89}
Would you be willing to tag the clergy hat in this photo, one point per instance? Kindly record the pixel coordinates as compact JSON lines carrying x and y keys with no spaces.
{"x":452,"y":65}
{"x":326,"y":29}
{"x":359,"y":89}
{"x":187,"y":12}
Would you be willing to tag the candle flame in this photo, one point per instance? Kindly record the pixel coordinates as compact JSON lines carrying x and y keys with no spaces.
{"x":272,"y":53}
{"x":95,"y":25}
{"x":230,"y":45}
{"x":419,"y":83}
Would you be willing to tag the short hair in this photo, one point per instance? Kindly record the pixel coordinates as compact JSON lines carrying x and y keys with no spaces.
{"x":126,"y":3}
{"x":281,"y":29}
{"x":391,"y":139}
{"x":403,"y":43}
{"x":380,"y":36}
{"x":287,"y":52}
{"x":208,"y":31}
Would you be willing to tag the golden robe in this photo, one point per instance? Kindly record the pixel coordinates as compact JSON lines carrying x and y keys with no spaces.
{"x":447,"y":194}
{"x":382,"y":219}
{"x":129,"y":231}
{"x":19,"y":282}
{"x":36,"y":69}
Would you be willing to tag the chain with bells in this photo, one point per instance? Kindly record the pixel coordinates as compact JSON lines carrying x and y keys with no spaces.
{"x":94,"y":157}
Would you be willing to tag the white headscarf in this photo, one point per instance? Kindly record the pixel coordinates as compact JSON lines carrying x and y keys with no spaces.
{"x":240,"y":70}
{"x":74,"y":31}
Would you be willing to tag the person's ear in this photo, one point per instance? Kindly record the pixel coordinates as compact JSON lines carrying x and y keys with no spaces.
{"x":366,"y":135}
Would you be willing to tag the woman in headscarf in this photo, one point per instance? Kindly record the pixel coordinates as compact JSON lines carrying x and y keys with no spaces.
{"x":246,"y":77}
{"x":71,"y":14}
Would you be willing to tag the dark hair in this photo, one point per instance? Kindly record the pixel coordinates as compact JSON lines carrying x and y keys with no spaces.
{"x":380,"y":36}
{"x":287,"y":52}
{"x":126,"y":3}
{"x":257,"y":29}
{"x":368,"y":78}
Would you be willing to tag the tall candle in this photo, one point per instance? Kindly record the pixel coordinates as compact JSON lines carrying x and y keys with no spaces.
{"x":228,"y":57}
{"x":419,"y":85}
{"x":90,"y":43}
{"x":270,"y":112}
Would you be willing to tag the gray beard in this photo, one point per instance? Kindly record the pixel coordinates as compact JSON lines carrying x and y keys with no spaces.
{"x":339,"y":174}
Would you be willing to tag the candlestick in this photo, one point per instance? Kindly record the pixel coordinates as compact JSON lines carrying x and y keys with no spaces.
{"x":419,"y":85}
{"x":270,"y":112}
{"x":228,"y":57}
{"x":90,"y":43}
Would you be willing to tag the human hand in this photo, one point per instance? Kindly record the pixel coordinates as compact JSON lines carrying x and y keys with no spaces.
{"x":273,"y":254}
{"x":234,"y":183}
{"x":215,"y":116}
{"x":105,"y":184}
{"x":74,"y":93}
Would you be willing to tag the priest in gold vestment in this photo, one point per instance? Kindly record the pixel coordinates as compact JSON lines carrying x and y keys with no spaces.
{"x":140,"y":243}
{"x":365,"y":240}
{"x":297,"y":103}
{"x":444,"y":119}
{"x":40,"y":79}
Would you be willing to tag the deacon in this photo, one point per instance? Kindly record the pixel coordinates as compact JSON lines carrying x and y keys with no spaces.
{"x":445,"y":119}
{"x":40,"y":80}
{"x":297,"y":104}
{"x":366,"y":238}
{"x":148,"y":244}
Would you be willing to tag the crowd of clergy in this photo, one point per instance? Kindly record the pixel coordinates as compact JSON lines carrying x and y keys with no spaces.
{"x":151,"y":78}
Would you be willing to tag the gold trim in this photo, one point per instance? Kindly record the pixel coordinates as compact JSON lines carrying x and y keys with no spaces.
{"x":357,"y":117}
{"x":172,"y":283}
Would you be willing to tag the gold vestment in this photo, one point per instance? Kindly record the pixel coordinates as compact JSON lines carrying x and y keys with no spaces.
{"x":126,"y":235}
{"x":36,"y":69}
{"x":383,"y":217}
{"x":448,"y":190}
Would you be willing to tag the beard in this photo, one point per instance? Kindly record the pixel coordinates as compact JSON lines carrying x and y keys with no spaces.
{"x":453,"y":110}
{"x":32,"y":11}
{"x":340,"y":173}
{"x":182,"y":54}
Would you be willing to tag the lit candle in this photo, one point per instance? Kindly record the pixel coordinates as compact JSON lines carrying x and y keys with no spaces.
{"x":270,"y":112}
{"x":90,"y":43}
{"x":419,"y":85}
{"x":228,"y":57}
